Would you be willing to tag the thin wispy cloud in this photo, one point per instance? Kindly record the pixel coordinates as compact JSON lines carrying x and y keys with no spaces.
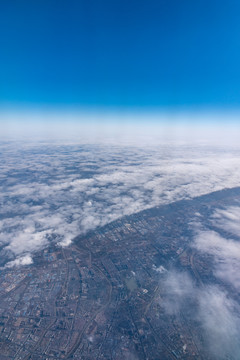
{"x":228,"y":219}
{"x":209,"y":307}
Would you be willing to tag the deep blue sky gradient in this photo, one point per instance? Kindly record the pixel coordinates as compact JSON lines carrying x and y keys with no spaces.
{"x":120,"y":53}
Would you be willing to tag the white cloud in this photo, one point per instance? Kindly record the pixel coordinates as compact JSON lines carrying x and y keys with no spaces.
{"x":226,"y":254}
{"x":228,"y":219}
{"x":20,"y":261}
{"x":178,"y":286}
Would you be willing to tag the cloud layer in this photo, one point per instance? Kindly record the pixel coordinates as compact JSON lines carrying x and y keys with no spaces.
{"x":53,"y":191}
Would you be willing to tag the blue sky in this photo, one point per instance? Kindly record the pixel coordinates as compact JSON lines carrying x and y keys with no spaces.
{"x":123,"y":54}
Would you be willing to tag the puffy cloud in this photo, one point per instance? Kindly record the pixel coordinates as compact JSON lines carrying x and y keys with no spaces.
{"x":20,"y":261}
